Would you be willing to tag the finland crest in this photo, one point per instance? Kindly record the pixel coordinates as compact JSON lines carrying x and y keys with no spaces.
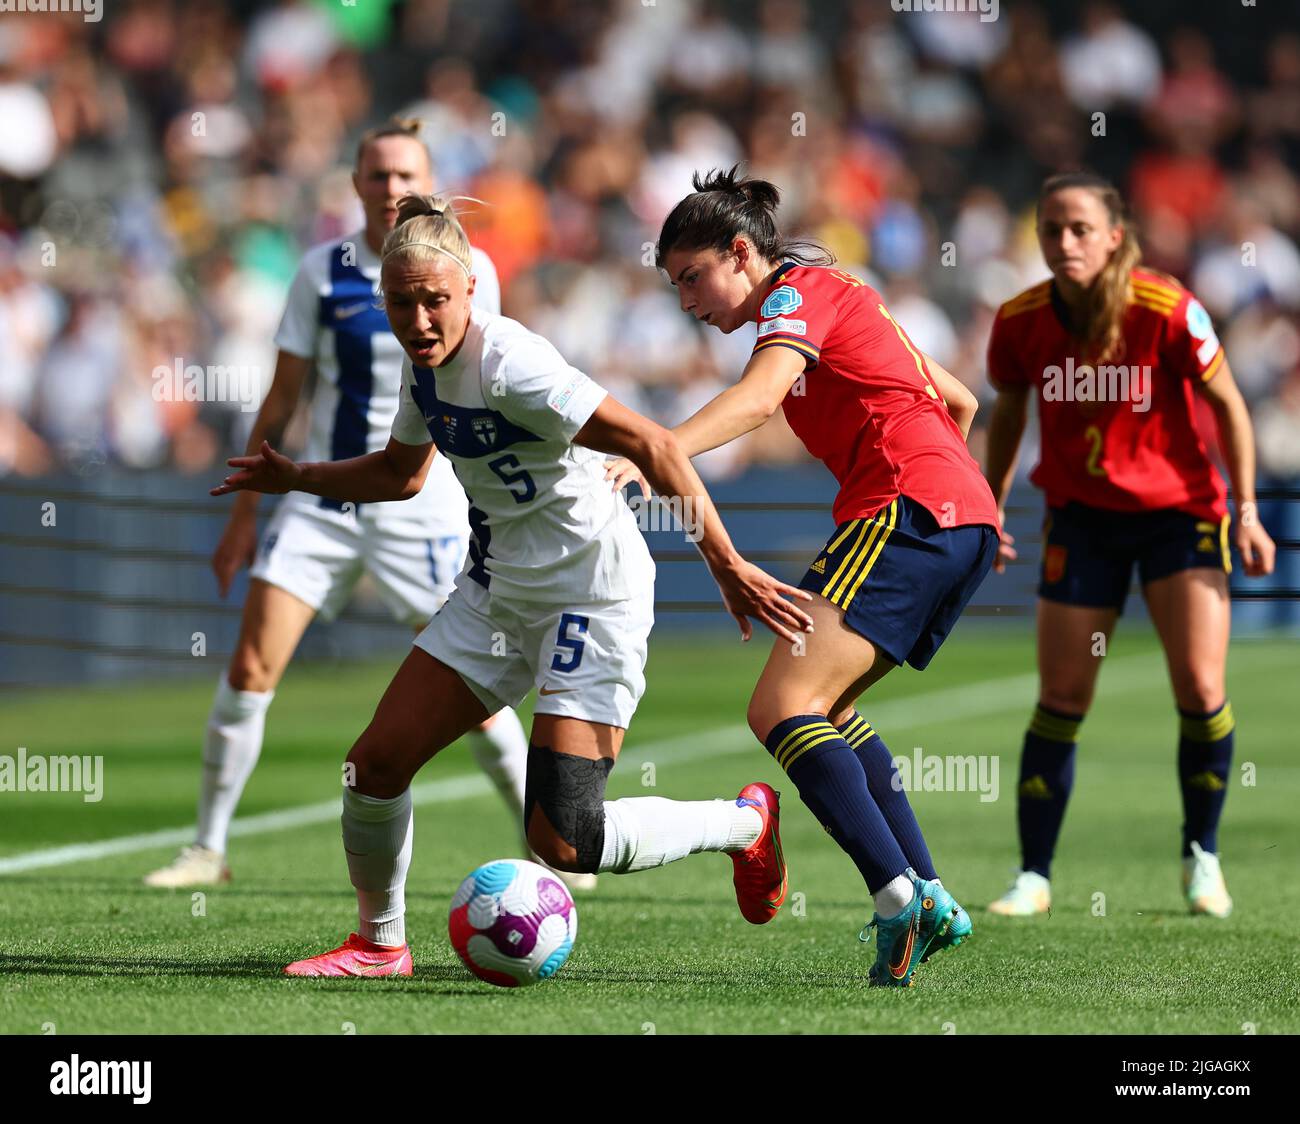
{"x":781,"y":302}
{"x":485,"y":429}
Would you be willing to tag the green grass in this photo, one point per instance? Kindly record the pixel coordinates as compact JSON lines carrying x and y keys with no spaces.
{"x":90,"y":949}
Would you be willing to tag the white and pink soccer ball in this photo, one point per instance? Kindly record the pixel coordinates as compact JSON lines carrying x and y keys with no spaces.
{"x":513,"y":923}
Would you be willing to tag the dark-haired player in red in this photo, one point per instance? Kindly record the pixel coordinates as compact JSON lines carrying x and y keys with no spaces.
{"x":1117,"y":357}
{"x":916,"y":527}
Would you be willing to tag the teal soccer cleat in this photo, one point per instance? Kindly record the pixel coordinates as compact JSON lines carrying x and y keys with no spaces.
{"x":931,"y":922}
{"x":958,"y":926}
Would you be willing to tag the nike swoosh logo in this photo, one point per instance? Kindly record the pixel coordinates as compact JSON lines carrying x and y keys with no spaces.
{"x":350,"y":310}
{"x":376,"y":967}
{"x":898,"y":971}
{"x":556,"y":691}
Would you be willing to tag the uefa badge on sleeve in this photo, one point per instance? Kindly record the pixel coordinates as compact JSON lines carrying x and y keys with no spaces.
{"x":781,"y":302}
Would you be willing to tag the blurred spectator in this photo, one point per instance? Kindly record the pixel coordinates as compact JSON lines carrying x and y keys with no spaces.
{"x":1110,"y":61}
{"x":161,"y":173}
{"x":28,"y":134}
{"x":1249,"y":261}
{"x":1277,"y":430}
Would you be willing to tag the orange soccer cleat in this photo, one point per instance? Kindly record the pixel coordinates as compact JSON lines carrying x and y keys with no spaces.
{"x":760,"y":874}
{"x":355,"y":957}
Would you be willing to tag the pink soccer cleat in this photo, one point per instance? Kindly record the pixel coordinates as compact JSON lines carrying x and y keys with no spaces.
{"x":355,"y":957}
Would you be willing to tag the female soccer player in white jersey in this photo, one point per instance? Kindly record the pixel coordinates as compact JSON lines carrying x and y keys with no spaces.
{"x":314,"y":551}
{"x":558,"y":594}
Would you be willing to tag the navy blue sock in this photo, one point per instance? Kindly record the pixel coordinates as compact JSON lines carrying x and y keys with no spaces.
{"x":1046,"y":777}
{"x":831,"y":782}
{"x":1204,"y":758}
{"x":887,"y":791}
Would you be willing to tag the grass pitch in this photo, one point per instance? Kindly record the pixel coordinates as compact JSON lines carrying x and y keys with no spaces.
{"x":88,"y":948}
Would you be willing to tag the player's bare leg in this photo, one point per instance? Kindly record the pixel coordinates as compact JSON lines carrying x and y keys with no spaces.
{"x":426,"y":707}
{"x":271,"y":627}
{"x":500,"y":748}
{"x":1072,"y":642}
{"x":1192,"y":613}
{"x":573,"y":827}
{"x":802,"y":709}
{"x":824,"y":674}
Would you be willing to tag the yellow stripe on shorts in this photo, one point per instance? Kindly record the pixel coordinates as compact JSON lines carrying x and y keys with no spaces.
{"x":861,"y":525}
{"x":880,"y":545}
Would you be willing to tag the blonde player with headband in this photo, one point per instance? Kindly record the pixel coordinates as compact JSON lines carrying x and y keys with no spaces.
{"x":314,"y":551}
{"x":558,"y":594}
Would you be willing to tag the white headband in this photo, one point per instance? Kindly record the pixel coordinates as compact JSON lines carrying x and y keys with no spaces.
{"x":431,"y":246}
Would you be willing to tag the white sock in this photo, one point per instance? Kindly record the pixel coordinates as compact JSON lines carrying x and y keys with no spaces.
{"x":231,"y":747}
{"x":893,"y":897}
{"x":649,"y":831}
{"x":377,"y":835}
{"x":501,"y":751}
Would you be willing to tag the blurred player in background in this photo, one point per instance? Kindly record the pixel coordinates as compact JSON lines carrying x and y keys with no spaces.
{"x":314,"y":550}
{"x":916,"y":528}
{"x":1120,"y":355}
{"x":559,"y":594}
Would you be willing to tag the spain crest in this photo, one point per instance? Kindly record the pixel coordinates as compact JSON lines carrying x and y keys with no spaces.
{"x":1053,"y":564}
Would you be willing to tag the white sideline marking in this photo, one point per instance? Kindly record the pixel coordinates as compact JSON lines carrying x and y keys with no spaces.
{"x":926,"y":708}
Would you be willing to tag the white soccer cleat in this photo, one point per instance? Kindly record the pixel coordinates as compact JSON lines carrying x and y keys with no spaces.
{"x":577,"y":882}
{"x":1204,"y":885}
{"x":1030,"y":893}
{"x":194,"y":866}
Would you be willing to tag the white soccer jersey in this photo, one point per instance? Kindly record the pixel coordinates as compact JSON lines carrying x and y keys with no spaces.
{"x":545,"y":525}
{"x":332,"y":317}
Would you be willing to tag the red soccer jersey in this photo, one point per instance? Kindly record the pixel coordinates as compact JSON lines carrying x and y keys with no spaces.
{"x":1118,"y":436}
{"x":866,"y":406}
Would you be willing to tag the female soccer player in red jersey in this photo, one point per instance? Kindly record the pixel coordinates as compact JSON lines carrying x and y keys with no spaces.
{"x":916,"y":527}
{"x":1117,"y":356}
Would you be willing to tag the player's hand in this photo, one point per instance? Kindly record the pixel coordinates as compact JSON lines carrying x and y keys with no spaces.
{"x":237,"y":548}
{"x":748,"y":592}
{"x":1006,"y":546}
{"x":267,"y":472}
{"x":1256,"y":548}
{"x":621,"y":472}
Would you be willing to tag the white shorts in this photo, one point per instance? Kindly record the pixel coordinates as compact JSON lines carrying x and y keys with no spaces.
{"x":587,"y":660}
{"x":318,"y":555}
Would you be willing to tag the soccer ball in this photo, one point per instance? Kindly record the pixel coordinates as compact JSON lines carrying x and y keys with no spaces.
{"x":513,"y":923}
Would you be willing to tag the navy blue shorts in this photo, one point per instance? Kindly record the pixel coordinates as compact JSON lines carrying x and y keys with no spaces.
{"x":1089,"y":553}
{"x":901,"y":579}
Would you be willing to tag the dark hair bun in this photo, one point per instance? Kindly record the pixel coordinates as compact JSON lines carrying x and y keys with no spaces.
{"x":756,"y":193}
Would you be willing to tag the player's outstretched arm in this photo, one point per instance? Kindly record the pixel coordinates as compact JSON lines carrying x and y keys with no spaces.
{"x":765,"y":382}
{"x":1237,"y":437}
{"x":962,"y":405}
{"x":395,"y":473}
{"x":238,"y":542}
{"x":1006,"y":428}
{"x":747,"y":591}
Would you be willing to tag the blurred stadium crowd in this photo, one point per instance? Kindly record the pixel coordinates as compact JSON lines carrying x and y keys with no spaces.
{"x":162,"y":169}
